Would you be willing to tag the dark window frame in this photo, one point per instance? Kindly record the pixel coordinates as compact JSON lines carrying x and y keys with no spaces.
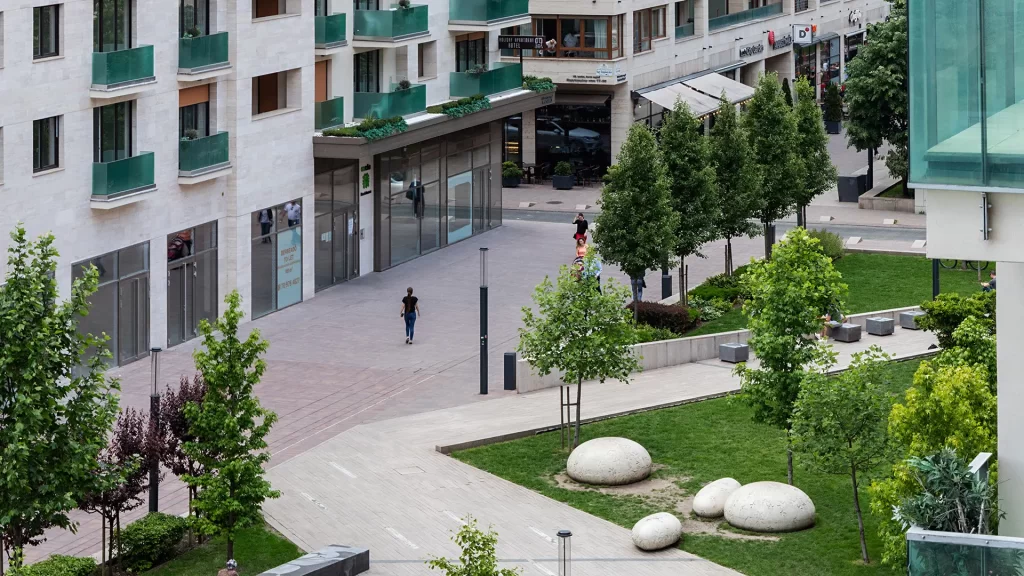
{"x":37,"y":30}
{"x":638,"y":39}
{"x":204,"y":30}
{"x":125,"y":131}
{"x":614,"y":29}
{"x":203,"y":127}
{"x":364,"y":82}
{"x":51,"y":127}
{"x":464,"y":50}
{"x":99,"y":24}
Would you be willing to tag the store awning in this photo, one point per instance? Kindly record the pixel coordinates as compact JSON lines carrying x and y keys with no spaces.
{"x":701,"y":93}
{"x":582,"y":99}
{"x":715,"y":84}
{"x":825,"y":37}
{"x":700,"y":104}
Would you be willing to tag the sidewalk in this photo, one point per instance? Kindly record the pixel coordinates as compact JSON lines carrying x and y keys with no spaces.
{"x":385,"y":486}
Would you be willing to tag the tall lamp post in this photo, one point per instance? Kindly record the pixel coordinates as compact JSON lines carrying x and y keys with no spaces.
{"x":483,"y":320}
{"x":154,"y":425}
{"x":564,"y":553}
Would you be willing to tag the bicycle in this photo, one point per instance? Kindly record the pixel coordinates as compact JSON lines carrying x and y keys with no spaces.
{"x":972,"y":264}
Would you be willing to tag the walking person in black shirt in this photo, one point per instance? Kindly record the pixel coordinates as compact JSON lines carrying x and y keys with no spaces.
{"x":410,"y":309}
{"x":581,"y":227}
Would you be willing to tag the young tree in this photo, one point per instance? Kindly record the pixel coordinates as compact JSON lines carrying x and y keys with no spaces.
{"x":789,"y":295}
{"x":786,"y":93}
{"x":176,"y":430}
{"x":229,"y":429}
{"x":479,"y":556}
{"x":581,"y":330}
{"x":820,"y":174}
{"x":840,"y":422}
{"x":636,"y":227}
{"x":693,"y":188}
{"x":771,"y":128}
{"x":877,"y":91}
{"x":737,"y":179}
{"x":56,"y":406}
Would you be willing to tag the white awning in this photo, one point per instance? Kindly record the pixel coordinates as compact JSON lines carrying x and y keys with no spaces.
{"x":700,"y":104}
{"x":715,"y":84}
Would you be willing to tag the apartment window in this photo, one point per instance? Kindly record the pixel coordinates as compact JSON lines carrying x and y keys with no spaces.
{"x":269,"y":93}
{"x":648,"y":25}
{"x":366,"y":72}
{"x":267,"y":8}
{"x":112,"y":25}
{"x":46,"y":31}
{"x":112,"y":131}
{"x":684,"y":12}
{"x":194,"y":18}
{"x":595,"y":38}
{"x":45,"y":144}
{"x":194,"y":117}
{"x":802,"y":5}
{"x":321,"y":8}
{"x":366,"y":4}
{"x":470,"y":51}
{"x":426,"y":58}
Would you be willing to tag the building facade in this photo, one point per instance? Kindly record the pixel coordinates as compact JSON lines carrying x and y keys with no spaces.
{"x":616,"y":63}
{"x":966,"y":122}
{"x":177,"y":146}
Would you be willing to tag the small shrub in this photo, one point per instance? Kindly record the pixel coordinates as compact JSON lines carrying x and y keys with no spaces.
{"x":405,"y":4}
{"x":151,"y":540}
{"x":510,"y":170}
{"x":477,"y":70}
{"x":833,"y":104}
{"x":563,"y":168}
{"x":536,"y":84}
{"x":674,"y":318}
{"x":709,"y":293}
{"x":60,"y":566}
{"x":404,"y":84}
{"x":710,"y":309}
{"x":831,"y":244}
{"x":191,"y":134}
{"x":645,"y":334}
{"x":948,"y":311}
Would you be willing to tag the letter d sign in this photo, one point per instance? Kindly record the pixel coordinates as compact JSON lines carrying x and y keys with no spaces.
{"x":802,"y":34}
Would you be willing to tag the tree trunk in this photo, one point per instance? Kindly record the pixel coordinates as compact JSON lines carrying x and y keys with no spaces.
{"x":636,"y":301}
{"x":789,"y":456}
{"x":231,"y":547}
{"x":800,"y":217}
{"x":103,"y":544}
{"x":768,"y":240}
{"x":860,"y":518}
{"x":119,"y":551}
{"x":871,"y":168}
{"x":682,"y":280}
{"x":728,"y":255}
{"x":579,"y":392}
{"x":231,"y":526}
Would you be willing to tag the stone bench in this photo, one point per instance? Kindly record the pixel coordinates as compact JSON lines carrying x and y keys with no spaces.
{"x":880,"y":326}
{"x":908,"y":320}
{"x":846,"y":333}
{"x":733,"y":352}
{"x":333,"y":560}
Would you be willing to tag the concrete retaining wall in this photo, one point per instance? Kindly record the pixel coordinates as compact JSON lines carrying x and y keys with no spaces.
{"x":654,"y":355}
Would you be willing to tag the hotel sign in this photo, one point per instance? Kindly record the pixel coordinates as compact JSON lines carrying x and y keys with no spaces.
{"x":782,"y":42}
{"x":751,"y":50}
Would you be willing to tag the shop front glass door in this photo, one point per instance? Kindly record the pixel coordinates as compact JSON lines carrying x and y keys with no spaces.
{"x":133,"y":316}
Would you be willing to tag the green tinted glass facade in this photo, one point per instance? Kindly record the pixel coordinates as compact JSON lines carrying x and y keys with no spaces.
{"x":966,"y":92}
{"x":122,"y":67}
{"x":113,"y":179}
{"x":203,"y":154}
{"x":745,"y":16}
{"x":935,"y":553}
{"x":330,"y":30}
{"x":390,"y":104}
{"x":330,"y":113}
{"x":501,"y":77}
{"x":486,"y":10}
{"x":395,"y":23}
{"x":203,"y":52}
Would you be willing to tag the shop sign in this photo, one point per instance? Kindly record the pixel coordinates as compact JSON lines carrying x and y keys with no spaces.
{"x":855,"y":16}
{"x":520,"y":42}
{"x":365,"y":179}
{"x":803,"y":34}
{"x":751,"y":50}
{"x":783,"y":42}
{"x":602,"y":75}
{"x":289,"y":267}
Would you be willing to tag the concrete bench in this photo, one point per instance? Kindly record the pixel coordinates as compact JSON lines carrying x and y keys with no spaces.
{"x":846,"y":333}
{"x":880,"y":326}
{"x":733,"y":352}
{"x":333,"y":560}
{"x":908,"y":320}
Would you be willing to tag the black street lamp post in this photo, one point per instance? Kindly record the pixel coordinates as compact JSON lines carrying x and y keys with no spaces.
{"x":483,"y":320}
{"x":154,"y":425}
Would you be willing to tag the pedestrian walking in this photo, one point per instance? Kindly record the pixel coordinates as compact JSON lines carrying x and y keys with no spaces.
{"x":581,"y":247}
{"x":581,"y":228}
{"x":638,"y":285}
{"x":410,"y":310}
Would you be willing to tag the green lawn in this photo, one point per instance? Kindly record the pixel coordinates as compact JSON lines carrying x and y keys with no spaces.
{"x":894,"y":191}
{"x":876,"y":282}
{"x":700,"y":443}
{"x":256,"y":550}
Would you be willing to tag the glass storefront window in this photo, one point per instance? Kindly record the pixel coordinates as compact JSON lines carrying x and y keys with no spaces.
{"x":120,"y":306}
{"x":853,"y":44}
{"x":511,"y":137}
{"x":805,"y":63}
{"x":191,"y":281}
{"x":276,"y":257}
{"x":579,"y":134}
{"x":829,"y":58}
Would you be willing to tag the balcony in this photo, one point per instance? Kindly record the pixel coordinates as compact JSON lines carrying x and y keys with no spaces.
{"x":934,"y":553}
{"x":331,"y":33}
{"x":501,"y":77}
{"x":329,"y":113}
{"x":122,"y":181}
{"x":203,"y":159}
{"x":123,"y":72}
{"x":473,"y":15}
{"x":384,"y":28}
{"x":745,"y":16}
{"x":390,"y":104}
{"x":685,"y":31}
{"x":203,"y":57}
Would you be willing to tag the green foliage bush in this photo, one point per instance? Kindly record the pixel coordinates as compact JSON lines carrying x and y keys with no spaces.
{"x":510,"y":170}
{"x":537,"y":84}
{"x":371,"y":128}
{"x":723,"y":287}
{"x":833,"y":104}
{"x":151,"y":540}
{"x":711,"y":308}
{"x":59,"y":566}
{"x":674,"y":318}
{"x":563,"y":168}
{"x":462,"y":107}
{"x":948,"y":311}
{"x":831,"y":244}
{"x":645,"y":333}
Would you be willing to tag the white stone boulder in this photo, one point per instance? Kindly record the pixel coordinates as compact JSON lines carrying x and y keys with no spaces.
{"x":769,"y":507}
{"x":609,"y":462}
{"x":657,"y":531}
{"x":710,"y":501}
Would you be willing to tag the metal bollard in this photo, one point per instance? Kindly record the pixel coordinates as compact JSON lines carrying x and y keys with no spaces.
{"x":510,"y":370}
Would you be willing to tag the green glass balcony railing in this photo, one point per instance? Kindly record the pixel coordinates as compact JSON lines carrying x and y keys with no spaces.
{"x":331,"y":30}
{"x":113,"y":69}
{"x":203,"y":53}
{"x":501,"y":77}
{"x":390,"y":104}
{"x":393,"y":24}
{"x":745,"y":16}
{"x":684,"y":31}
{"x":121,"y":177}
{"x":202,"y":155}
{"x":486,"y":10}
{"x":942,"y":553}
{"x":330,"y":113}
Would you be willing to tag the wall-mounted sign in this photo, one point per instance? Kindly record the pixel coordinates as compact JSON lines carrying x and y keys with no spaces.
{"x":781,"y":42}
{"x":365,"y":179}
{"x":751,"y":50}
{"x":855,"y":16}
{"x":520,"y":42}
{"x":803,"y":34}
{"x":545,"y":100}
{"x":604,"y":74}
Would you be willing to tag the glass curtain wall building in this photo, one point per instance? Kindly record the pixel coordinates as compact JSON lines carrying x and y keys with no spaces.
{"x":966,"y":92}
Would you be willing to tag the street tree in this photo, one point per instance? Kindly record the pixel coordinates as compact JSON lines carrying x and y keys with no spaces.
{"x":479,"y":554}
{"x":580,"y":330}
{"x":877,"y":92}
{"x":737,"y":177}
{"x":693,"y":187}
{"x":840,"y":423}
{"x":789,"y":295}
{"x":636,"y":227}
{"x":820,"y":174}
{"x":229,"y":429}
{"x":56,"y":405}
{"x":176,"y":432}
{"x":771,"y":128}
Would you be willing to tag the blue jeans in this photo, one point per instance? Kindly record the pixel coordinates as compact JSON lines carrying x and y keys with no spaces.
{"x":410,"y":324}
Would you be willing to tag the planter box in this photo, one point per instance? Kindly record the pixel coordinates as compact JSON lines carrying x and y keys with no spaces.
{"x":833,"y":127}
{"x":511,"y":182}
{"x":846,"y":333}
{"x":880,"y":326}
{"x":733,"y":352}
{"x":908,"y":320}
{"x":563,"y":182}
{"x":850,"y":188}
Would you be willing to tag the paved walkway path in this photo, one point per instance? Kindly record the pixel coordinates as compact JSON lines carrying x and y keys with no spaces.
{"x":385,"y":486}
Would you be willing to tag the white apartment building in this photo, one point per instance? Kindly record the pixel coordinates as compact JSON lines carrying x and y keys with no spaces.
{"x":175,"y":146}
{"x":617,"y":62}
